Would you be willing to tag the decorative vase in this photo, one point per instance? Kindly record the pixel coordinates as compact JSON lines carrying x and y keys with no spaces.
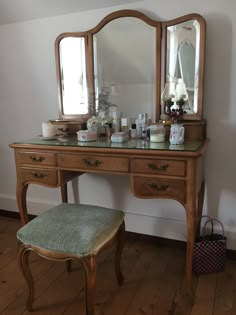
{"x":176,"y":134}
{"x":94,"y":123}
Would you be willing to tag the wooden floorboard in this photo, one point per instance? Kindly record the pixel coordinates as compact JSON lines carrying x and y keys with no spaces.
{"x":154,"y":282}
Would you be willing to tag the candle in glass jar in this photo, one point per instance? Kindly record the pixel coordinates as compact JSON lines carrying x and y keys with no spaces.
{"x":157,"y":138}
{"x":157,"y":133}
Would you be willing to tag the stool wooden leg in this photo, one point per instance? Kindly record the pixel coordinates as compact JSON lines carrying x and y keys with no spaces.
{"x":68,"y":265}
{"x":64,"y":193}
{"x":23,"y":261}
{"x":90,"y":270}
{"x":119,"y":249}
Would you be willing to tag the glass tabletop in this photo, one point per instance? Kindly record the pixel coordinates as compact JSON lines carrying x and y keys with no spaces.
{"x":70,"y":141}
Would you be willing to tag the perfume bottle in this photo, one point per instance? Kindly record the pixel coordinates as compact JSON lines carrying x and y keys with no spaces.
{"x":144,"y":131}
{"x":133,"y":131}
{"x":116,"y":121}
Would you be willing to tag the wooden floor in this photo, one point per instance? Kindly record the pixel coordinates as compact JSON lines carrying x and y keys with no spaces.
{"x":154,"y":277}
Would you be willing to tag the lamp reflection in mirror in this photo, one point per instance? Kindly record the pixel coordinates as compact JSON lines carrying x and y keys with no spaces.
{"x":174,"y":96}
{"x":183,"y":59}
{"x":168,"y":97}
{"x":181,"y":91}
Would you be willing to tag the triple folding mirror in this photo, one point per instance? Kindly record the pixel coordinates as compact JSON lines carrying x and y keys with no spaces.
{"x":132,"y":57}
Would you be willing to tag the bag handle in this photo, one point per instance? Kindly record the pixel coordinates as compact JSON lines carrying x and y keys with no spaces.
{"x":200,"y":221}
{"x":212,"y":226}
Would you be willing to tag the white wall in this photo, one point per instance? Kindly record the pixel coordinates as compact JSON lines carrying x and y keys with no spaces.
{"x":28,"y":93}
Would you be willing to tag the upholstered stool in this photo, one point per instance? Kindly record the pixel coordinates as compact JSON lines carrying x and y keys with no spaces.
{"x":72,"y":232}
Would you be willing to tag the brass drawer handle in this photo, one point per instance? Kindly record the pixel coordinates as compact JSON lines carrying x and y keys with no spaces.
{"x":39,"y":175}
{"x":158,"y":188}
{"x":95,"y":163}
{"x":37,"y":159}
{"x":63,"y":129}
{"x":154,"y":167}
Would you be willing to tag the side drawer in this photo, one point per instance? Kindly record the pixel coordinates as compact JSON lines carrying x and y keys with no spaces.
{"x":99,"y":163}
{"x":37,"y":158}
{"x":158,"y":167}
{"x":39,"y":175}
{"x":151,"y":187}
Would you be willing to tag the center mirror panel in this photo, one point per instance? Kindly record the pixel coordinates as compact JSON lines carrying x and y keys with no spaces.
{"x":125,"y":65}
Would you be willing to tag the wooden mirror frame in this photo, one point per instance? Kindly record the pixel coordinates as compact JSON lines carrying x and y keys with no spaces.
{"x":89,"y":56}
{"x":202,"y":44}
{"x":161,"y":44}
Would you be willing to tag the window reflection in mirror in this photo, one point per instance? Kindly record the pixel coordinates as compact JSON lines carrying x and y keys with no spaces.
{"x":183,"y":46}
{"x":125,"y":63}
{"x":73,"y":76}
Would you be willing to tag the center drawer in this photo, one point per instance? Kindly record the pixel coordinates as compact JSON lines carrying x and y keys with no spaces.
{"x":158,"y":167}
{"x":87,"y":162}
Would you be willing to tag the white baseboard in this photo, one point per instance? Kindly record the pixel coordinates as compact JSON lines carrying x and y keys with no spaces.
{"x":144,"y":224}
{"x":137,"y":223}
{"x":156,"y":226}
{"x":34,"y":206}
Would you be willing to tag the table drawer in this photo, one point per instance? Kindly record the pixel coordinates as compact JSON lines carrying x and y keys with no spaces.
{"x":150,"y":187}
{"x":87,"y":162}
{"x":39,"y":175}
{"x":37,"y":158}
{"x":159,"y":167}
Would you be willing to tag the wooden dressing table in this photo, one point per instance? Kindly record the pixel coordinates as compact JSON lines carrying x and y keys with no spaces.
{"x":156,"y":170}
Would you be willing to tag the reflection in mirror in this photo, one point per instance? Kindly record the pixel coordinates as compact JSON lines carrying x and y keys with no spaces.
{"x":182,"y":62}
{"x":73,"y":76}
{"x":125,"y":63}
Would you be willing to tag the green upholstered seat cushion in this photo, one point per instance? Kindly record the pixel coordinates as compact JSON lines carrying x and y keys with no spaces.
{"x":72,"y":228}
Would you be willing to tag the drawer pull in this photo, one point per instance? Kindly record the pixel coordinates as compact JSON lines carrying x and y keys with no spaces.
{"x":156,"y":187}
{"x":37,"y":159}
{"x":39,"y":175}
{"x":95,"y":163}
{"x":63,"y":129}
{"x":154,"y":167}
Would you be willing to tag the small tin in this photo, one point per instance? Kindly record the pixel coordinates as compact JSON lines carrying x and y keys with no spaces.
{"x":119,"y":137}
{"x":86,"y":135}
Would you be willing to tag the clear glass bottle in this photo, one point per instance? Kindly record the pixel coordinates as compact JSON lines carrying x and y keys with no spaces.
{"x":144,"y":131}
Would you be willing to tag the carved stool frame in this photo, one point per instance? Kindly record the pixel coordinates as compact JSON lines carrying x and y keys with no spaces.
{"x":88,"y":262}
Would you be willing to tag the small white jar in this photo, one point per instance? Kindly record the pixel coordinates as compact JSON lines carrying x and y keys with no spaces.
{"x":48,"y":130}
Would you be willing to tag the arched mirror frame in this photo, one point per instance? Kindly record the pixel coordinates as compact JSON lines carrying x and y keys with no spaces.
{"x":88,"y":35}
{"x":202,"y":23}
{"x":161,"y":48}
{"x":89,"y":70}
